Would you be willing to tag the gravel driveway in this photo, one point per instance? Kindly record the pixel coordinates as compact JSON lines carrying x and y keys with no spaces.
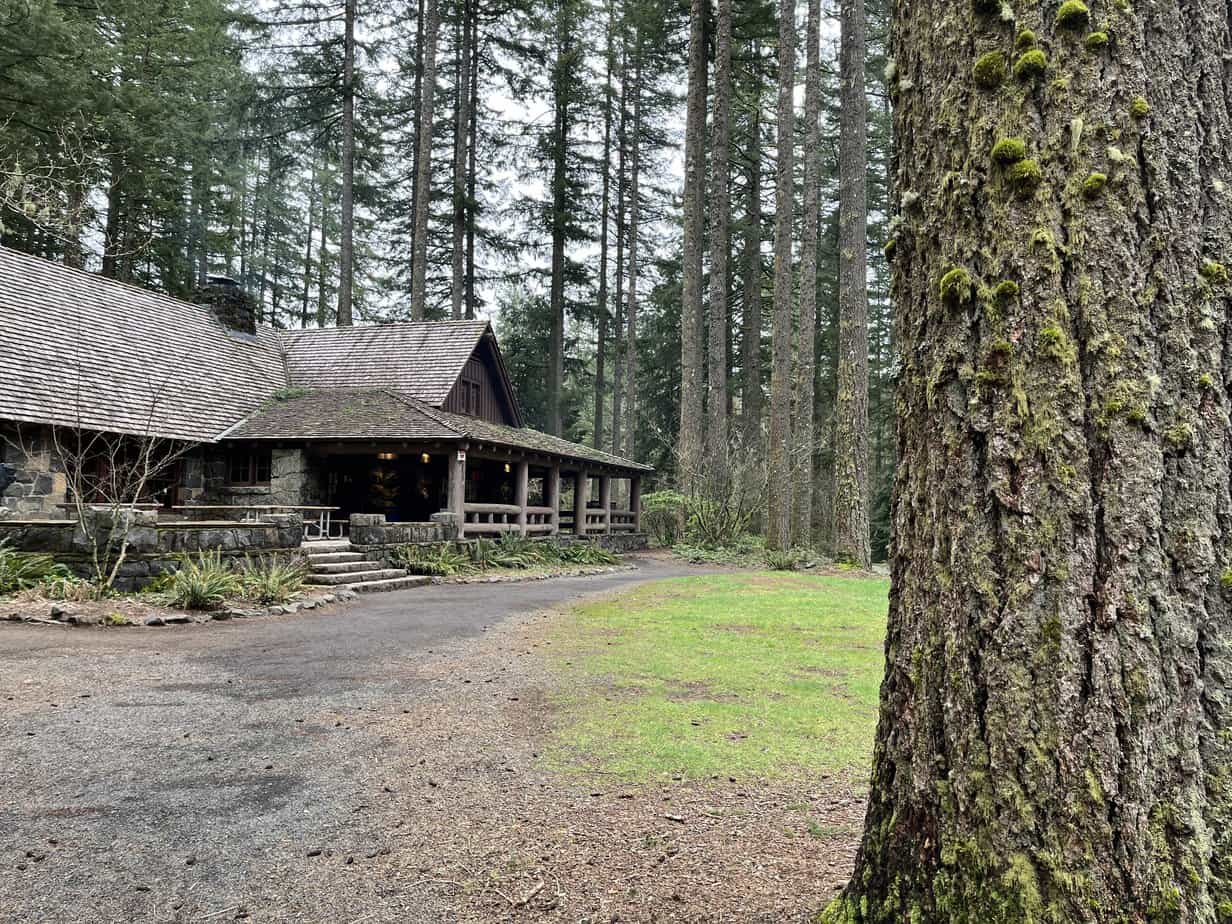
{"x":207,"y":772}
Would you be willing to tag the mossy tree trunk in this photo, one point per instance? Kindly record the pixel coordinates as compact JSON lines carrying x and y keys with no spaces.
{"x":1054,"y":742}
{"x":852,"y":540}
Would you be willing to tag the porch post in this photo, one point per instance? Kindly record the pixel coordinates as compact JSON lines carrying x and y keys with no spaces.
{"x":580,"y":491}
{"x":457,"y":490}
{"x":522,"y":492}
{"x":605,"y":501}
{"x":552,"y":488}
{"x":635,"y":502}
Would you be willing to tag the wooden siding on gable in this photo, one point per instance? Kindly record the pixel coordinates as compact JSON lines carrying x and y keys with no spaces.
{"x":476,"y":394}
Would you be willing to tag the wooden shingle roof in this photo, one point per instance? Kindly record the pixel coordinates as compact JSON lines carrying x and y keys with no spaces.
{"x":422,"y":359}
{"x":80,"y":350}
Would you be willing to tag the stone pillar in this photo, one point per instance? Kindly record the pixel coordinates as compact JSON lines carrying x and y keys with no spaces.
{"x":605,"y":501}
{"x":635,"y":502}
{"x":581,"y":491}
{"x":521,"y":491}
{"x":551,"y":487}
{"x":288,"y":476}
{"x":457,"y":491}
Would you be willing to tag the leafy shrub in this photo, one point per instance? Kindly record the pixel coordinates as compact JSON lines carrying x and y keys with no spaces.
{"x":586,"y":553}
{"x":662,"y":516}
{"x":203,"y":582}
{"x":788,"y":560}
{"x":517,"y":552}
{"x":67,"y":587}
{"x":273,"y":580}
{"x":436,"y":561}
{"x":23,"y":570}
{"x":742,"y":550}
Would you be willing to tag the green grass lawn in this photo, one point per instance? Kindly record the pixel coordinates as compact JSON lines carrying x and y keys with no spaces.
{"x":769,"y":674}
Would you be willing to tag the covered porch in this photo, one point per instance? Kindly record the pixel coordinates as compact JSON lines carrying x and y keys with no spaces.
{"x":477,"y":490}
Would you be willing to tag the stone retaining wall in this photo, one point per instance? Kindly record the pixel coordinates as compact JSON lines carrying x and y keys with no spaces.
{"x":155,"y":548}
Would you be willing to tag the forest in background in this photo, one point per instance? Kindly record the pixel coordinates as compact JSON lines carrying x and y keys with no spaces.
{"x":293,"y":146}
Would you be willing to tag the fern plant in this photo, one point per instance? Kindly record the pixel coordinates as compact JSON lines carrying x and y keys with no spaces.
{"x":203,"y":582}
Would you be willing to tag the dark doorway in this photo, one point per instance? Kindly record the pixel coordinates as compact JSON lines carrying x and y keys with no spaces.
{"x":406,"y":487}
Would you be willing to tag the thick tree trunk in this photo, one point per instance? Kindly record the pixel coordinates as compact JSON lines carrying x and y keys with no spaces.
{"x":635,"y":168}
{"x":806,"y":367}
{"x":851,"y":501}
{"x":778,"y":518}
{"x":720,"y":220}
{"x":1055,"y":740}
{"x":346,"y":249}
{"x":692,"y":398}
{"x":423,"y":171}
{"x":751,"y":399}
{"x":461,"y":126}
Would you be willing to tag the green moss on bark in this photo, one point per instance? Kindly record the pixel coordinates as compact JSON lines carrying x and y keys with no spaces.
{"x":1096,"y":41}
{"x":956,"y":286}
{"x":1031,"y":65}
{"x":1073,"y":14}
{"x":1139,"y":108}
{"x":1093,"y":186}
{"x":1025,"y":177}
{"x":990,"y":70}
{"x":1009,"y":151}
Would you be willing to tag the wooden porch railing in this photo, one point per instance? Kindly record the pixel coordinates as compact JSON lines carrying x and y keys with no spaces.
{"x":496,"y":519}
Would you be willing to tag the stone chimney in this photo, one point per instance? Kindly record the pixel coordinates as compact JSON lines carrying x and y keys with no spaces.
{"x":233,"y":307}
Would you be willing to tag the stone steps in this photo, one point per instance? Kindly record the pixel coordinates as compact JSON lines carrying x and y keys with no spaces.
{"x":336,"y":566}
{"x":330,"y":558}
{"x":359,"y":563}
{"x":354,"y":577}
{"x":399,"y":583}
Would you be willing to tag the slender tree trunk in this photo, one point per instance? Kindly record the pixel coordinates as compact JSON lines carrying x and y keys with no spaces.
{"x":423,"y":173}
{"x":605,"y":208}
{"x":1055,"y":739}
{"x":460,"y":129}
{"x":471,"y":170}
{"x":806,"y":370}
{"x":635,"y":168}
{"x":751,"y":320}
{"x":618,"y":373}
{"x":851,"y":500}
{"x":312,"y":211}
{"x":562,"y":91}
{"x":112,"y":229}
{"x":323,"y":258}
{"x":692,"y":397}
{"x":778,"y":520}
{"x":346,"y":250}
{"x":417,"y":104}
{"x":717,"y":449}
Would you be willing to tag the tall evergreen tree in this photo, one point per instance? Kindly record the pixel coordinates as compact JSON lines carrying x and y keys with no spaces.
{"x":692,"y":395}
{"x":778,"y":518}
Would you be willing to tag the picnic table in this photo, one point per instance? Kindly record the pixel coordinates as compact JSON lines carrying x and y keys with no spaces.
{"x":320,"y":524}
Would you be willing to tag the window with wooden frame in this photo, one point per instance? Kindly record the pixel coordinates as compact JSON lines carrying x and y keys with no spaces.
{"x":470,"y":397}
{"x":249,"y":467}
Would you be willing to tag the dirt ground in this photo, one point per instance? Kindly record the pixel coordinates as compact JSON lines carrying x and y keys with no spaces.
{"x":374,"y":764}
{"x":486,"y":829}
